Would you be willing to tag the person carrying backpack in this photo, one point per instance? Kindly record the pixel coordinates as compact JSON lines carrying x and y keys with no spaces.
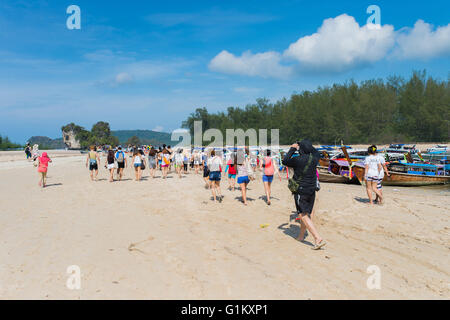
{"x":121,"y":162}
{"x":303,"y":185}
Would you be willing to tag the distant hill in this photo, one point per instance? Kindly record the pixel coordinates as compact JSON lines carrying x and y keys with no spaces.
{"x":145,"y":136}
{"x":47,"y":143}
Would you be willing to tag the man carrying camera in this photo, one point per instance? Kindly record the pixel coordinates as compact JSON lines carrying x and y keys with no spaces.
{"x":303,"y":185}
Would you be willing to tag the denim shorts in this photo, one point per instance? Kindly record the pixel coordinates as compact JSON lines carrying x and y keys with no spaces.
{"x":267,"y":178}
{"x":244,"y":179}
{"x":214,"y":176}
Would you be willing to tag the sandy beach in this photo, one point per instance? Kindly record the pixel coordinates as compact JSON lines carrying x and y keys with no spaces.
{"x":166,"y":239}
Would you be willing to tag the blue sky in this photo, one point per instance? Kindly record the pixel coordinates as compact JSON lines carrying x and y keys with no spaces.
{"x":148,"y":64}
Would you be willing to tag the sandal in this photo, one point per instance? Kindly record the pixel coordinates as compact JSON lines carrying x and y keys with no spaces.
{"x":319,"y":245}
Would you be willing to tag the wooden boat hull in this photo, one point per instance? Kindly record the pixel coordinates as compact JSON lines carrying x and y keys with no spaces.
{"x":405,"y":179}
{"x":326,"y":176}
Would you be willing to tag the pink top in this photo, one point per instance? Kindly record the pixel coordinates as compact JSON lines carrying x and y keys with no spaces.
{"x":268,"y":169}
{"x":43,"y":162}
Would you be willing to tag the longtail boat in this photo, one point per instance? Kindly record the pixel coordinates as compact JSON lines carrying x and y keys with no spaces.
{"x":410,"y":174}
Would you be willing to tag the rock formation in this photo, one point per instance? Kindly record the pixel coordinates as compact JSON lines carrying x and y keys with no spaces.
{"x":69,"y":138}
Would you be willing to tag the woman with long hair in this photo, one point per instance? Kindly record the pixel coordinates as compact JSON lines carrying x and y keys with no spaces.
{"x":179,"y":162}
{"x":231,"y":170}
{"x":165,"y":157}
{"x":110,"y":164}
{"x":268,"y":167}
{"x":152,"y":161}
{"x":137,"y":163}
{"x":243,"y":167}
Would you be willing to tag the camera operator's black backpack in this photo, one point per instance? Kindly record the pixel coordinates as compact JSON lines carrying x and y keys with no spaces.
{"x":294,"y":184}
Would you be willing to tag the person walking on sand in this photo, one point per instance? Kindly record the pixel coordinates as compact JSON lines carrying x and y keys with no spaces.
{"x":179,"y":162}
{"x":110,"y":164}
{"x":381,"y":175}
{"x":28,"y":151}
{"x":303,"y":185}
{"x":215,"y":168}
{"x":165,"y":162}
{"x":93,"y":160}
{"x":137,"y":163}
{"x":197,"y":160}
{"x":269,"y":168}
{"x":121,"y":162}
{"x":373,"y":169}
{"x":42,"y":164}
{"x":231,"y":170}
{"x":152,"y":161}
{"x":185,"y":162}
{"x":243,"y":171}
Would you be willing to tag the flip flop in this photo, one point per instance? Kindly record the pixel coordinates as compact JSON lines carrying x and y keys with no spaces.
{"x":320,"y":245}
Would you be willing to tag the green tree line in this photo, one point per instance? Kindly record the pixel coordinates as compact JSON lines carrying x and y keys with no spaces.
{"x":5,"y":144}
{"x":374,"y":111}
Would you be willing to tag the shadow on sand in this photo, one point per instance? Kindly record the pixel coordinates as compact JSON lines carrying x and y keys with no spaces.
{"x":293,"y":230}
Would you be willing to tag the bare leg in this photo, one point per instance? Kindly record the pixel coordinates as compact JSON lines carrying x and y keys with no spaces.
{"x":219,"y":192}
{"x":369,"y":191}
{"x":377,"y":192}
{"x":44,"y":178}
{"x":244,"y":192}
{"x":267,"y":189}
{"x":213,"y":189}
{"x":311,"y":228}
{"x":301,"y":235}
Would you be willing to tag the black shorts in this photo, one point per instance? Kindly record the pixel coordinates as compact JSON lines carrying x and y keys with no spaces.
{"x":93,"y":166}
{"x":120,"y":165}
{"x":205,"y":172}
{"x":304,"y":202}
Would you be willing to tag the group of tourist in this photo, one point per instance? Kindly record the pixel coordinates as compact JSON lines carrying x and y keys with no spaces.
{"x":239,"y":167}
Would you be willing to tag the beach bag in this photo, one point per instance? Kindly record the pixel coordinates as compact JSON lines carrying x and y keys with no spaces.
{"x":294,"y":184}
{"x":166,"y":161}
{"x":142,"y":166}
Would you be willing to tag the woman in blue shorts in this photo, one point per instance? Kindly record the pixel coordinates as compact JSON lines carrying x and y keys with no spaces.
{"x":242,"y":173}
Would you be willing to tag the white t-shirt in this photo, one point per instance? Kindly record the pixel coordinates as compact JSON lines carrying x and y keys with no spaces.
{"x":214,"y":164}
{"x":373,"y":161}
{"x":382,"y":162}
{"x":179,"y":157}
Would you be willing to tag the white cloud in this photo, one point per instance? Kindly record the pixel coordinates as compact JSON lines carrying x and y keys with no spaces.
{"x":158,"y":128}
{"x":266,"y":64}
{"x":341,"y":44}
{"x":123,"y":77}
{"x":422,"y":42}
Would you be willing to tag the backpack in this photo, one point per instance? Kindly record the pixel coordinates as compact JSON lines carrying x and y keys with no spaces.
{"x":293,"y":184}
{"x":120,"y":157}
